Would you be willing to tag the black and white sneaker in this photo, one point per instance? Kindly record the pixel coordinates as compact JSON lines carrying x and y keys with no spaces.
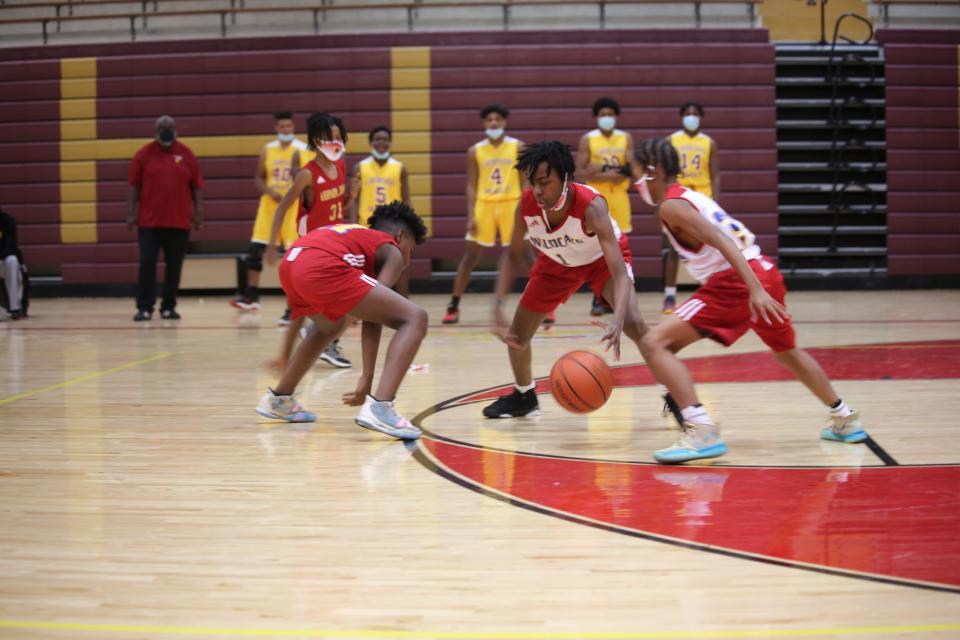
{"x":169,"y":314}
{"x":334,"y":357}
{"x":284,"y":319}
{"x":142,"y":315}
{"x":515,"y":405}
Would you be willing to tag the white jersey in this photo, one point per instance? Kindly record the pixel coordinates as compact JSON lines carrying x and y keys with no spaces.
{"x":706,"y":261}
{"x":569,"y":244}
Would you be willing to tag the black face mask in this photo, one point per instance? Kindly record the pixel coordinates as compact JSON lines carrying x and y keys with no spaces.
{"x":166,"y":135}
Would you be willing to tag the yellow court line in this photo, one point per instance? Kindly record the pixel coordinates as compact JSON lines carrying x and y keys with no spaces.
{"x":89,"y":376}
{"x":468,"y":635}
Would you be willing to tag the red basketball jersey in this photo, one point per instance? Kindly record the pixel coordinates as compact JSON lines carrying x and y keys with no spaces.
{"x":328,"y":196}
{"x":354,"y":244}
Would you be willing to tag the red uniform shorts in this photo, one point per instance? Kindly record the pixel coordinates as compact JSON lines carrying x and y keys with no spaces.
{"x":720,"y":309}
{"x":551,"y":283}
{"x":318,"y":282}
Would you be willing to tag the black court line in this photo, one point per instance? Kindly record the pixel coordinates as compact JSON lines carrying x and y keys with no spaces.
{"x":431,"y":466}
{"x":880,"y":452}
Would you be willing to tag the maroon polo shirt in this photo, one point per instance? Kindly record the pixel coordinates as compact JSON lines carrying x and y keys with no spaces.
{"x":166,"y":178}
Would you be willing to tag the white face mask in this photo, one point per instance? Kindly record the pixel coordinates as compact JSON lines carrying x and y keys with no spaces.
{"x":333,"y":151}
{"x":494,"y":134}
{"x":644,"y":190}
{"x":285,"y":137}
{"x":380,"y":156}
{"x":562,"y":200}
{"x":691,"y":122}
{"x":606,"y":123}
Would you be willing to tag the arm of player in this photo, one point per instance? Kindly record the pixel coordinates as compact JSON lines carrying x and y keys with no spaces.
{"x":197,"y":218}
{"x":681,"y":216}
{"x":510,"y":260}
{"x":300,"y":183}
{"x":472,"y":176}
{"x":260,"y":177}
{"x":714,"y":171}
{"x":404,"y":185}
{"x":597,"y":219}
{"x":353,"y":206}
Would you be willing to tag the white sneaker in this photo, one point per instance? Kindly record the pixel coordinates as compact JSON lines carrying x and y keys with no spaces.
{"x":382,"y":416}
{"x":846,"y":429}
{"x":284,"y":408}
{"x":699,"y":441}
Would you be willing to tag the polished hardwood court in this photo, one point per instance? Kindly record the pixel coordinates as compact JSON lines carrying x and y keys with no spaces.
{"x":142,"y":497}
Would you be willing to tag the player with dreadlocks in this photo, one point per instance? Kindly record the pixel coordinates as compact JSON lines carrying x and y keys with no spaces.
{"x":578,"y":243}
{"x":320,"y":188}
{"x":740,"y":290}
{"x":328,"y":274}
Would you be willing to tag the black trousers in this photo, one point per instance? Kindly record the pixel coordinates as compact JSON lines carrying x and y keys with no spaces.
{"x":174,"y":245}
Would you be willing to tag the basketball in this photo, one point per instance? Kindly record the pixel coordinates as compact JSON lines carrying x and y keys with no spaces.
{"x":581,"y":381}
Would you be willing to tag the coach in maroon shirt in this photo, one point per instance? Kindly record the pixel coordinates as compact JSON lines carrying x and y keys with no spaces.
{"x":164,"y":200}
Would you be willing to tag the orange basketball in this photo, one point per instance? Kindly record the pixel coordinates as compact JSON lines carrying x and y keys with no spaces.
{"x":581,"y":381}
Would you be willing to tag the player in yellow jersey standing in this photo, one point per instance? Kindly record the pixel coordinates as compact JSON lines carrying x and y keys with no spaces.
{"x":493,"y":191}
{"x":699,"y":172}
{"x":603,"y":162}
{"x":278,"y":163}
{"x":379,"y":179}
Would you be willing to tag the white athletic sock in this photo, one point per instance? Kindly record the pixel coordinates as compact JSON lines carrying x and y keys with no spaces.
{"x":670,"y":291}
{"x":840,"y":410}
{"x":530,"y":386}
{"x":695,"y":413}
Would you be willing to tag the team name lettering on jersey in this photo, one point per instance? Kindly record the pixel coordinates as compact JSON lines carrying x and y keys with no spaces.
{"x":545,"y":244}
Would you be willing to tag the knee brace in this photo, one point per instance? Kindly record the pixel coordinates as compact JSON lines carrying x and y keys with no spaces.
{"x":254,"y":257}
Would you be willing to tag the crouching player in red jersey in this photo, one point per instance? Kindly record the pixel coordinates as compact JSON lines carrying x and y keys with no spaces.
{"x":578,"y":243}
{"x":328,"y":274}
{"x":740,"y":290}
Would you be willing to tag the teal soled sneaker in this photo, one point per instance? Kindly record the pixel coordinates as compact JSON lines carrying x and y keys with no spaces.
{"x":382,"y":416}
{"x":848,"y":429}
{"x":699,"y":441}
{"x":284,"y":408}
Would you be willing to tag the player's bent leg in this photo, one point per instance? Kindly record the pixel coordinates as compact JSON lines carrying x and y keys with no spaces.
{"x":279,"y":403}
{"x":844,"y":424}
{"x":659,"y":346}
{"x":471,"y":256}
{"x":250,"y":300}
{"x":383,"y":306}
{"x":522,"y":400}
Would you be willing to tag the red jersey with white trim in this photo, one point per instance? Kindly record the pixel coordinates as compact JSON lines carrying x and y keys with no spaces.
{"x":354,"y":244}
{"x":327,"y":205}
{"x":569,"y":243}
{"x":704,"y":261}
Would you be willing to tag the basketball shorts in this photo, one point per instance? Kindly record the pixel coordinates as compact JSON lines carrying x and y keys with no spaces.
{"x":264,"y":222}
{"x":551,"y":284}
{"x":494,"y":218}
{"x":317,"y":282}
{"x":619,"y":205}
{"x":720,"y":309}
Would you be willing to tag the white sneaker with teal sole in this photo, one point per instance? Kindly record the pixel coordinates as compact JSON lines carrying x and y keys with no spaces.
{"x":284,"y":408}
{"x":699,"y":441}
{"x":848,"y":429}
{"x":382,"y":416}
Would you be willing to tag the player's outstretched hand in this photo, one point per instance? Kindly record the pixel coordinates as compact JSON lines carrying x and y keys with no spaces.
{"x":611,"y":335}
{"x":764,"y":306}
{"x":270,"y":255}
{"x":356,"y":397}
{"x":501,"y":328}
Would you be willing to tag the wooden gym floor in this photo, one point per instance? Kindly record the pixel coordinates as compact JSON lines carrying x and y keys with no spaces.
{"x":142,"y":497}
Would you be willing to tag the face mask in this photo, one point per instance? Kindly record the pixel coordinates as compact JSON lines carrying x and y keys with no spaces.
{"x":494,"y":134}
{"x":166,"y":136}
{"x":562,"y":200}
{"x":333,"y":151}
{"x":691,"y":122}
{"x":644,"y":190}
{"x":606,"y":123}
{"x":285,"y":137}
{"x":380,"y":156}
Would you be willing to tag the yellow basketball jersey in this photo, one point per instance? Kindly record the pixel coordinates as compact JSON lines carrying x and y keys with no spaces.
{"x":612,"y":151}
{"x":378,"y":185}
{"x":694,"y":155}
{"x":497,"y":179}
{"x":279,"y":163}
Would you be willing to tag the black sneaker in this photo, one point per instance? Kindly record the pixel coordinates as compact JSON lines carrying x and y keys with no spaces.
{"x":169,"y":314}
{"x":599,"y":307}
{"x":333,"y":356}
{"x":143,"y":315}
{"x":284,"y":320}
{"x":515,"y":405}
